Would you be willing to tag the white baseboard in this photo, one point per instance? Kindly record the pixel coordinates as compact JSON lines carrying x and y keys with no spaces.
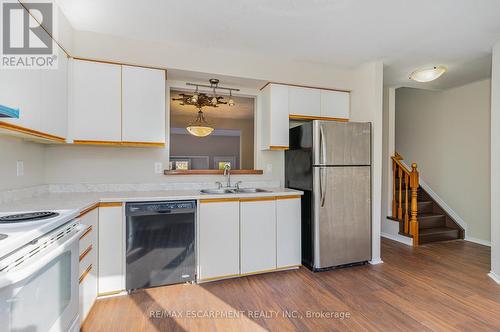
{"x":376,"y":261}
{"x":494,"y":276}
{"x":441,"y":203}
{"x":398,"y":238}
{"x":478,"y":241}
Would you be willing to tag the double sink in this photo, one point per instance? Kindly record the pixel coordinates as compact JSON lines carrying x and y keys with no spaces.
{"x":234,"y":191}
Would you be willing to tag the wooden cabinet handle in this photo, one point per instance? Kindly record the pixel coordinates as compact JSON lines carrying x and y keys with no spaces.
{"x":85,"y":274}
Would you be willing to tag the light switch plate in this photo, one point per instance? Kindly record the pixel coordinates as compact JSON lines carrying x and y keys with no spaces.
{"x":20,"y":168}
{"x":158,"y":167}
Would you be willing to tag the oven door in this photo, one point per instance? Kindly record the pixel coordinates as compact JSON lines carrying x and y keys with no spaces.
{"x":41,"y":294}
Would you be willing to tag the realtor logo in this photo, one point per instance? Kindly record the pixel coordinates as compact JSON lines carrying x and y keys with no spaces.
{"x":26,"y":35}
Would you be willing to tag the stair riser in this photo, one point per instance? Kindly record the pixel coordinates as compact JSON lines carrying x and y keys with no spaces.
{"x":422,"y":207}
{"x":432,"y":222}
{"x":450,"y":235}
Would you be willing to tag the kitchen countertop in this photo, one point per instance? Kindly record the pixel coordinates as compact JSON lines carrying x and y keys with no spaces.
{"x":82,"y":201}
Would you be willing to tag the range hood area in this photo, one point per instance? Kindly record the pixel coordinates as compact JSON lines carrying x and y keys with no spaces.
{"x":7,"y":112}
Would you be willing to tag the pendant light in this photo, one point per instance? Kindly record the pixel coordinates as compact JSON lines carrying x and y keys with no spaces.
{"x":200,"y":127}
{"x":230,"y":102}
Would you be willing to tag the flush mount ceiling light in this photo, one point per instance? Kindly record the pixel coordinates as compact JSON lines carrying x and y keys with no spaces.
{"x":200,"y":127}
{"x":428,"y":74}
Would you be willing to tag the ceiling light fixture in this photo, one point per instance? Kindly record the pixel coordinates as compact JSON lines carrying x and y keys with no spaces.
{"x":428,"y":74}
{"x":200,"y":127}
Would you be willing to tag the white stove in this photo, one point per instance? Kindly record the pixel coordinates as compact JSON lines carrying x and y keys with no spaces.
{"x":20,"y":228}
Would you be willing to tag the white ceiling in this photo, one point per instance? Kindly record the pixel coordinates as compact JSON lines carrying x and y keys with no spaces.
{"x":404,"y":34}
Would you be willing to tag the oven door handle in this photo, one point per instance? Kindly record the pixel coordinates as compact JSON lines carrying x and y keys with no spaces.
{"x":13,"y":277}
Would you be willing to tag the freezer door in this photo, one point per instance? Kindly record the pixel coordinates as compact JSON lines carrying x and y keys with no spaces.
{"x":342,"y":216}
{"x":341,"y":143}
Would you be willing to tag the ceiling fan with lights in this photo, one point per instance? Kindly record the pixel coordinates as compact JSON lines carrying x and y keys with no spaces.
{"x":200,"y":127}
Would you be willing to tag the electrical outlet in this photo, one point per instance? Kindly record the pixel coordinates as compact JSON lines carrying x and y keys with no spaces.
{"x":158,"y":167}
{"x":20,"y":168}
{"x":269,"y":168}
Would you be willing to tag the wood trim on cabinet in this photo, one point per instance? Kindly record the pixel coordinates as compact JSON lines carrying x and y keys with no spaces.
{"x":111,"y":62}
{"x":87,"y":232}
{"x":219,"y":277}
{"x":309,"y":117}
{"x":287,"y":197}
{"x":278,"y":147}
{"x":31,"y":132}
{"x":110,"y":293}
{"x":212,"y":172}
{"x":110,"y":204}
{"x":85,"y":274}
{"x":89,"y":209}
{"x":219,"y":200}
{"x":119,"y":143}
{"x":85,"y":253}
{"x":258,"y":199}
{"x":306,"y":86}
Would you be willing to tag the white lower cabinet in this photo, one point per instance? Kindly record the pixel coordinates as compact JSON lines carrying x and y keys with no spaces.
{"x":288,"y":232}
{"x":88,"y":263}
{"x":111,"y":249}
{"x":258,"y":234}
{"x":218,"y":239}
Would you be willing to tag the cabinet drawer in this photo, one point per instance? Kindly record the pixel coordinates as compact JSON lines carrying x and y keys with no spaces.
{"x":89,"y":237}
{"x":88,"y":257}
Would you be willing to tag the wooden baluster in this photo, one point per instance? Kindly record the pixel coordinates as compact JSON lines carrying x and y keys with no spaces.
{"x":407,"y":203}
{"x":414,"y":191}
{"x":394,"y":204}
{"x":400,"y":205}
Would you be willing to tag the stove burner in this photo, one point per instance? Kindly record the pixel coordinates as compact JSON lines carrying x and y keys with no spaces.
{"x":24,"y":217}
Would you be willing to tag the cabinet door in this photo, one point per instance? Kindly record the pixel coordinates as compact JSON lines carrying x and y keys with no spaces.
{"x":288,"y":228}
{"x":54,"y":98}
{"x":275,"y":117}
{"x":304,"y":101}
{"x":96,"y":101}
{"x":218,"y":239}
{"x":143,"y":93}
{"x":335,"y":104}
{"x":88,"y":263}
{"x":258,"y":235}
{"x":111,"y":250}
{"x":20,"y":89}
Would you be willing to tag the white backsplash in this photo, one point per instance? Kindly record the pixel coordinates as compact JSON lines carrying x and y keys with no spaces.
{"x":35,"y":191}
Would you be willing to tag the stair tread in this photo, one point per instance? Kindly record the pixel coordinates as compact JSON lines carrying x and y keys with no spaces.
{"x":437,"y":230}
{"x":429,"y":215}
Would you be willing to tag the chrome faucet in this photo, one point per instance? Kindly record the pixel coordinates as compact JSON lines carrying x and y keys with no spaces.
{"x":227,"y":172}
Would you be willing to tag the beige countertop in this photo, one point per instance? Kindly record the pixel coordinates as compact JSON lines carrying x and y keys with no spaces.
{"x":81,"y":201}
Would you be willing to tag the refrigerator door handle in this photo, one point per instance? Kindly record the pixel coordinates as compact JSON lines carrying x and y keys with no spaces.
{"x":322,"y":187}
{"x":322,"y":153}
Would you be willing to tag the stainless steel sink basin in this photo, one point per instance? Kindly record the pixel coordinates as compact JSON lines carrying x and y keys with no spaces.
{"x":251,"y":190}
{"x":217,"y":191}
{"x":233,"y":191}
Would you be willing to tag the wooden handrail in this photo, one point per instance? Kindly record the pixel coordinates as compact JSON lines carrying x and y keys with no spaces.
{"x":405,"y":185}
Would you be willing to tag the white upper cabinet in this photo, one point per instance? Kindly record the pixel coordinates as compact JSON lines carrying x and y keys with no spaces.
{"x":54,"y":98}
{"x":20,"y":89}
{"x":143,"y":108}
{"x":335,"y":104}
{"x":96,"y":101}
{"x":304,"y":101}
{"x":274,"y":117}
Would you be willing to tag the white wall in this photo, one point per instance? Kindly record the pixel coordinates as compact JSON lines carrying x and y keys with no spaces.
{"x":495,"y":165}
{"x":367,"y":105}
{"x":13,"y":150}
{"x":447,"y":134}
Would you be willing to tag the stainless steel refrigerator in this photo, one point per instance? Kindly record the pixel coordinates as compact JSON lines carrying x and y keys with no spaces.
{"x":331,"y":162}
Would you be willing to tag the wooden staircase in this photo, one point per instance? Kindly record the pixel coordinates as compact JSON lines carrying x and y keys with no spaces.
{"x":419,"y":216}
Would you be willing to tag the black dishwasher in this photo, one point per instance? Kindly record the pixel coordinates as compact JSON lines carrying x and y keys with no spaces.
{"x":160,"y":243}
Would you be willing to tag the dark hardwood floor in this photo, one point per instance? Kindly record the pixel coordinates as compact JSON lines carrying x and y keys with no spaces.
{"x":437,"y":287}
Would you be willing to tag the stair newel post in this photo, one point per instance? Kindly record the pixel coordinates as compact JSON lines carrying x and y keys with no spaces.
{"x":407,"y":203}
{"x":394,"y":204}
{"x":414,"y":191}
{"x":400,"y":203}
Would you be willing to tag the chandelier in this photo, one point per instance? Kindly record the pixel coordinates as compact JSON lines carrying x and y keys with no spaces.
{"x":200,"y":126}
